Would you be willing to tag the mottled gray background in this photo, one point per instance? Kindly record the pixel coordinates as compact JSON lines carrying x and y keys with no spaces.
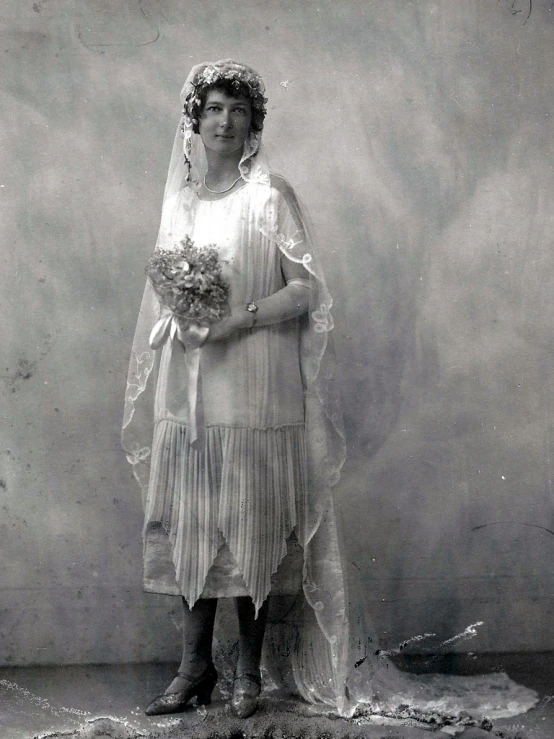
{"x":419,"y":135}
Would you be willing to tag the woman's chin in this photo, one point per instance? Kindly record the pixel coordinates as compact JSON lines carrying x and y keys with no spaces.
{"x":224,"y":146}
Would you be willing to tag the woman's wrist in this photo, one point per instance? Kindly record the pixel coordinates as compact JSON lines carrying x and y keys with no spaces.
{"x":242,"y":318}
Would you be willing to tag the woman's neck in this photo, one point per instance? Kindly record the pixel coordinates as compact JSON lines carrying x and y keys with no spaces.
{"x":222,"y":170}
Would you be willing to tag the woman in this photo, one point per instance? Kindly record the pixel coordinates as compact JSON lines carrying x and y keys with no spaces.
{"x":248,"y":440}
{"x":222,"y":519}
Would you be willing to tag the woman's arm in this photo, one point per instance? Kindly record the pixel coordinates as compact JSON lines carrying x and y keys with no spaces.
{"x":290,"y":301}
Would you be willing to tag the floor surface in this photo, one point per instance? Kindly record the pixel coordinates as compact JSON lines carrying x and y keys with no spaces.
{"x":100,"y":701}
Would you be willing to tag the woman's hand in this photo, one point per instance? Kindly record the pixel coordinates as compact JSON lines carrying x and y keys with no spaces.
{"x":239,"y":318}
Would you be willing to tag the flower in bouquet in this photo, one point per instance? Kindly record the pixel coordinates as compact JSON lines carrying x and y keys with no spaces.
{"x":189,"y":282}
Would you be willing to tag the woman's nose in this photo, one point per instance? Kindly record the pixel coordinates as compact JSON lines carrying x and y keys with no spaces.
{"x":225,"y":118}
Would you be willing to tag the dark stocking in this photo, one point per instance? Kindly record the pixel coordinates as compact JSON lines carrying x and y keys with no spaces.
{"x":251,"y":635}
{"x":198,"y":629}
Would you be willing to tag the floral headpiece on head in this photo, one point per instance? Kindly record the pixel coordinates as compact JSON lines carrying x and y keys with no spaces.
{"x":244,"y":80}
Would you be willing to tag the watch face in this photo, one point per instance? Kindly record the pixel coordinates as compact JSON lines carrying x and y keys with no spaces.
{"x":252,"y":307}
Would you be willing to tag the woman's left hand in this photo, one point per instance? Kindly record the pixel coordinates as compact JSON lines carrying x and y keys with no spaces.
{"x":238,"y":319}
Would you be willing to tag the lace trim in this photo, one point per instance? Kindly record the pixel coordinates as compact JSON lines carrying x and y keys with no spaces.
{"x":140,"y":369}
{"x":171,"y":419}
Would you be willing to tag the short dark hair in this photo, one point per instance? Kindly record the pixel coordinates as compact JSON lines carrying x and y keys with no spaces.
{"x":234,"y":89}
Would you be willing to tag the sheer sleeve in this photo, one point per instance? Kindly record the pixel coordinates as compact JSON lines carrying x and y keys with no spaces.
{"x":294,"y":273}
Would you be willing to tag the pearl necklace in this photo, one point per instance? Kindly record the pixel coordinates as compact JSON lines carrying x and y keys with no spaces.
{"x":220,"y":192}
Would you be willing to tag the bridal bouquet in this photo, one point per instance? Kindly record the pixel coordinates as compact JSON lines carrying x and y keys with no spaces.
{"x":190,"y":286}
{"x":189,"y":283}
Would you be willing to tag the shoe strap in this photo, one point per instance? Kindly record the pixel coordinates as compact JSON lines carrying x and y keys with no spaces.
{"x":249,"y":676}
{"x":193,"y":680}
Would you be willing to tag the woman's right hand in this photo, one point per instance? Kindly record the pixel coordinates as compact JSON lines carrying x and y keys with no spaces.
{"x":191,"y":336}
{"x":182,"y":330}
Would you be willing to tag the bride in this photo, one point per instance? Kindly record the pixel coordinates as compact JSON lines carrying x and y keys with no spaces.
{"x":238,"y":484}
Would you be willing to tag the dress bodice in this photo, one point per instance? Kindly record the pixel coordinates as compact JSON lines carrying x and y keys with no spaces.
{"x":252,"y":379}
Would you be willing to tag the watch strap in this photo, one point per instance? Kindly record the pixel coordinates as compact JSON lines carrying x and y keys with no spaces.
{"x":253,"y":309}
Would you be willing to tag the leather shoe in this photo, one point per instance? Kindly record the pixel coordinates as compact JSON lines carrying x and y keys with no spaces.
{"x":201,"y":687}
{"x":246,"y":689}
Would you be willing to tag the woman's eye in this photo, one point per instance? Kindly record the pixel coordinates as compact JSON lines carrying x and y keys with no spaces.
{"x":218,"y":109}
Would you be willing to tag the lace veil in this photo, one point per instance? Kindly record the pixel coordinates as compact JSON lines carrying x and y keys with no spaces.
{"x":323,"y":583}
{"x":330,"y":648}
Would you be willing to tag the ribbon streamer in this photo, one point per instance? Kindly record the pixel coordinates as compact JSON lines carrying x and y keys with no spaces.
{"x":192,"y":339}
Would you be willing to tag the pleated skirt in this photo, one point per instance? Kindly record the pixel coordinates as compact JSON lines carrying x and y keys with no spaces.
{"x":220,"y":522}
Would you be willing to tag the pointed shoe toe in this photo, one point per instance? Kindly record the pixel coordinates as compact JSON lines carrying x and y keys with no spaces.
{"x":168,"y":703}
{"x":246,"y":689}
{"x":202,"y":687}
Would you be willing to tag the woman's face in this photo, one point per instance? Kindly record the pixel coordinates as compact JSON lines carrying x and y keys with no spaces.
{"x":225,"y":122}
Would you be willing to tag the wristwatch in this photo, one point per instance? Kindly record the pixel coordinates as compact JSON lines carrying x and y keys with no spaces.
{"x":252,"y":308}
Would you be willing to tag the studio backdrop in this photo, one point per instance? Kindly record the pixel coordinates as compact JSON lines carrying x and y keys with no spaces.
{"x":419,"y":136}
